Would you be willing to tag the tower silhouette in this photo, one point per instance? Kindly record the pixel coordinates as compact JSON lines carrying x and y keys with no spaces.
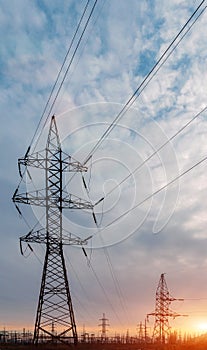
{"x":162,"y":312}
{"x":104,"y":324}
{"x":55,"y":319}
{"x":142,"y":331}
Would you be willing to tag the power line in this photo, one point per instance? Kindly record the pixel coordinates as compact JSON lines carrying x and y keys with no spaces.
{"x":135,"y":95}
{"x":56,"y":81}
{"x":54,"y":86}
{"x":62,"y":66}
{"x":90,"y":33}
{"x":153,"y":194}
{"x":156,"y":151}
{"x":102,"y":287}
{"x":140,"y":88}
{"x":71,"y":60}
{"x":115,"y":281}
{"x":108,"y":259}
{"x":82,"y":287}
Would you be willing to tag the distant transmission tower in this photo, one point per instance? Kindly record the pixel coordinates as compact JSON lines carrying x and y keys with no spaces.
{"x":142,"y":331}
{"x":162,"y":312}
{"x":104,"y":324}
{"x":55,"y":317}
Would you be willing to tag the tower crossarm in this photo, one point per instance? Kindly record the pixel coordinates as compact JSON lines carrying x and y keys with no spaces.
{"x":38,"y":160}
{"x":38,"y":198}
{"x":70,"y":164}
{"x":40,"y":236}
{"x":171,"y":298}
{"x":165,"y":314}
{"x":70,"y":201}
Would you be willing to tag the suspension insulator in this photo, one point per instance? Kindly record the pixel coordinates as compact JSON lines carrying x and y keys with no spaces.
{"x":84,"y":183}
{"x":19,"y":167}
{"x":84,"y":251}
{"x":94,"y":218}
{"x":19,"y":211}
{"x":26,"y":154}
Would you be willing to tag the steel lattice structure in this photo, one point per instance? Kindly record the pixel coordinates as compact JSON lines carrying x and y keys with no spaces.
{"x":55,"y":317}
{"x":162,"y":312}
{"x":104,"y":324}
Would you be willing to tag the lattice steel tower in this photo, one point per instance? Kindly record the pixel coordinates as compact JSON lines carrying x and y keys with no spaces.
{"x":162,"y":312}
{"x":55,"y":319}
{"x":104,"y":324}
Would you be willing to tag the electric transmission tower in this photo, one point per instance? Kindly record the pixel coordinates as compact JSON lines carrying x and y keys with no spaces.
{"x":162,"y":312}
{"x":104,"y":324}
{"x":55,"y":319}
{"x":142,"y":331}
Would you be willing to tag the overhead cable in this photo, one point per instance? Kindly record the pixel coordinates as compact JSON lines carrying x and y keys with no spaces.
{"x":154,"y":153}
{"x":146,"y":80}
{"x":103,"y":289}
{"x":153,"y":194}
{"x":62,"y":66}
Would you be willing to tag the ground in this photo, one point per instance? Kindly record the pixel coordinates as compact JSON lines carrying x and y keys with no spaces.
{"x":188,"y":346}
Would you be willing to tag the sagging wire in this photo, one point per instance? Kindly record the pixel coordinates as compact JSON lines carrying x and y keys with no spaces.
{"x":98,"y":226}
{"x":58,"y":75}
{"x":90,"y":33}
{"x":67,"y":69}
{"x":91,"y":316}
{"x":169,"y":140}
{"x":153,"y":194}
{"x":88,"y":259}
{"x":111,"y":269}
{"x":157,"y":66}
{"x":154,"y":70}
{"x":101,"y":286}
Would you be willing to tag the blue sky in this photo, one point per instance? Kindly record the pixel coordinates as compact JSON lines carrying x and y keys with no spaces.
{"x":166,"y":234}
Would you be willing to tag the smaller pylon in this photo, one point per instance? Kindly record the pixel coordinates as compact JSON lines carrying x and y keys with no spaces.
{"x":162,"y":312}
{"x":142,"y":331}
{"x":104,"y":324}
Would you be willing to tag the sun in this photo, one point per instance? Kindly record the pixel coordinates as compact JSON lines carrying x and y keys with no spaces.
{"x":202,"y":327}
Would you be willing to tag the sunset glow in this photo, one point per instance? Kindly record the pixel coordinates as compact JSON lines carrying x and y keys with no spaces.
{"x":202,"y":327}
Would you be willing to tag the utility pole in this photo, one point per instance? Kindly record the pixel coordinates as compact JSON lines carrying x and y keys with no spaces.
{"x":55,"y":317}
{"x":104,"y":324}
{"x":162,"y":312}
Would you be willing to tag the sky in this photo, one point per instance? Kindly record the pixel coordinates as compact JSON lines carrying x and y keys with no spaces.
{"x":131,"y":248}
